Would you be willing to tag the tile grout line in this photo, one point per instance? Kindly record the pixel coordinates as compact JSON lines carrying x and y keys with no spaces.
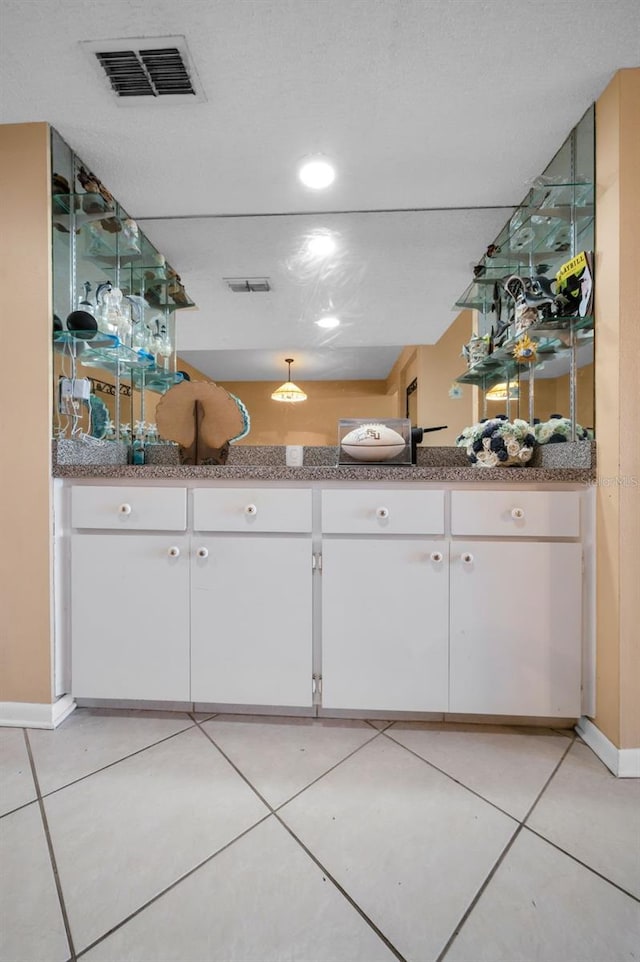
{"x":386,"y":728}
{"x":313,"y":858}
{"x":270,"y":813}
{"x":499,"y":861}
{"x":327,"y":772}
{"x":549,"y":780}
{"x":176,"y":882}
{"x":277,"y":808}
{"x":574,"y":858}
{"x":456,"y":781}
{"x":363,"y":915}
{"x":52,"y":857}
{"x":117,"y":761}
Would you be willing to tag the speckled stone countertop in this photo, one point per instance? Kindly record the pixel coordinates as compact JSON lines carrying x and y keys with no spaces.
{"x":559,"y":463}
{"x":258,"y":472}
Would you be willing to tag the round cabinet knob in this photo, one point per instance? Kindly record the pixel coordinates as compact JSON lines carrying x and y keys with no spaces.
{"x":517,"y":514}
{"x":436,"y":557}
{"x":467,"y":558}
{"x":174,"y":551}
{"x":125,"y":509}
{"x":251,"y":509}
{"x":382,"y":512}
{"x":202,"y":552}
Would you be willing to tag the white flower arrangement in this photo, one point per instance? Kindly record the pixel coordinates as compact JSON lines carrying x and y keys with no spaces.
{"x":558,"y":429}
{"x":498,"y":442}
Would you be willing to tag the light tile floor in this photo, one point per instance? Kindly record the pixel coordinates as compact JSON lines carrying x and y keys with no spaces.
{"x":166,"y":837}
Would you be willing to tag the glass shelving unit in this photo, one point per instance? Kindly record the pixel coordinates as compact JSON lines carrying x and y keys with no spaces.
{"x":97,"y":244}
{"x":553,"y":223}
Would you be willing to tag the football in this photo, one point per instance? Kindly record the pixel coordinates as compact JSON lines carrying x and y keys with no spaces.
{"x":373,"y":442}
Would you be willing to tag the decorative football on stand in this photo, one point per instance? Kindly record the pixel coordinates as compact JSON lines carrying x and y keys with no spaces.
{"x":373,"y":442}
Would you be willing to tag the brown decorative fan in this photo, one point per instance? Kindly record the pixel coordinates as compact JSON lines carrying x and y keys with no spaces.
{"x":202,"y":417}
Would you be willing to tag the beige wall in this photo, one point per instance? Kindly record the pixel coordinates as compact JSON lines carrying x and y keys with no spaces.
{"x":438,"y":365}
{"x":314,"y":421}
{"x":25,"y":508}
{"x":618,"y":409}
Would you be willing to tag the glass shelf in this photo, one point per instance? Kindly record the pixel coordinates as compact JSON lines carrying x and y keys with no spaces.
{"x":156,"y":379}
{"x":120,"y":358}
{"x":552,"y":336}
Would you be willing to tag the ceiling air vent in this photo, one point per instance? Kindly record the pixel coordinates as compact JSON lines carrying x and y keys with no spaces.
{"x":147,"y":70}
{"x":248,"y":285}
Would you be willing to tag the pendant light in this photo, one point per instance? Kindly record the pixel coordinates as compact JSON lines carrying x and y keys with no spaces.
{"x":289,"y":391}
{"x":503,"y":392}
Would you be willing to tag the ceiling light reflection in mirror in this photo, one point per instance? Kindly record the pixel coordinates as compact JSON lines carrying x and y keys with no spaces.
{"x":317,"y":173}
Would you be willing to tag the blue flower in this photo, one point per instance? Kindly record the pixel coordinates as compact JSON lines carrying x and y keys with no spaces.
{"x":502,"y":455}
{"x":477,"y":445}
{"x":556,"y":439}
{"x":497,"y":444}
{"x":529,"y":440}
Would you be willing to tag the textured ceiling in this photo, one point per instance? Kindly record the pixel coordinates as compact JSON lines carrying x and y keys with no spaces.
{"x":421,"y":104}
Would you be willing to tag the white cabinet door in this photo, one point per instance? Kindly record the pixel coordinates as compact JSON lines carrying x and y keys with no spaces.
{"x":385,"y":624}
{"x":515,"y":628}
{"x":130,"y":616}
{"x":251,"y":620}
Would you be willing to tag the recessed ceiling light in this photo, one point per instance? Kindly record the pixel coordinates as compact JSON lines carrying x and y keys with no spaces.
{"x":317,"y":173}
{"x":321,"y":244}
{"x":328,"y":322}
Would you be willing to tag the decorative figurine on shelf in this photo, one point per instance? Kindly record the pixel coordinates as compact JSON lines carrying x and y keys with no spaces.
{"x":526,"y":350}
{"x":476,"y":349}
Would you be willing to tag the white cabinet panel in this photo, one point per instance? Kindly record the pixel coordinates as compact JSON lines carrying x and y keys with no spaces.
{"x":515,"y":628}
{"x":251,"y":620}
{"x":515,"y":513}
{"x":381,"y":512}
{"x":385,"y":624}
{"x":129,"y":508}
{"x":252,"y":509}
{"x":130,"y":616}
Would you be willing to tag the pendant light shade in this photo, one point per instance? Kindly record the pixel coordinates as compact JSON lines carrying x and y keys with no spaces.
{"x":503,"y":392}
{"x":289,"y":392}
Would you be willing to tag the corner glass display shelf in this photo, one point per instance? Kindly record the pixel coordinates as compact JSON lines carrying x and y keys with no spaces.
{"x":97,"y":245}
{"x":553,"y":223}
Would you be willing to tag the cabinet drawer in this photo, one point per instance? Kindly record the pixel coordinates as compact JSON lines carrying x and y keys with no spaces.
{"x":512,"y":514}
{"x":383,"y":512}
{"x":251,"y":509}
{"x":137,"y":509}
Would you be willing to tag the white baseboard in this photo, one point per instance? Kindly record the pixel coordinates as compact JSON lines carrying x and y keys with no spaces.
{"x":623,"y":762}
{"x":25,"y":714}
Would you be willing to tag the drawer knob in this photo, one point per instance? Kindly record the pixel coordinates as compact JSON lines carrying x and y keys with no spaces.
{"x":202,"y":552}
{"x":517,"y":513}
{"x":382,"y":513}
{"x":125,"y":509}
{"x":174,"y":551}
{"x":251,"y":509}
{"x":436,"y":557}
{"x":467,"y":558}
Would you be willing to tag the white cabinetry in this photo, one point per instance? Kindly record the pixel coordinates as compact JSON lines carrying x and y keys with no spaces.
{"x":384,"y":624}
{"x":130,"y":594}
{"x":384,"y":601}
{"x":204,"y":617}
{"x":208,"y":596}
{"x":251,"y":610}
{"x":516,"y":606}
